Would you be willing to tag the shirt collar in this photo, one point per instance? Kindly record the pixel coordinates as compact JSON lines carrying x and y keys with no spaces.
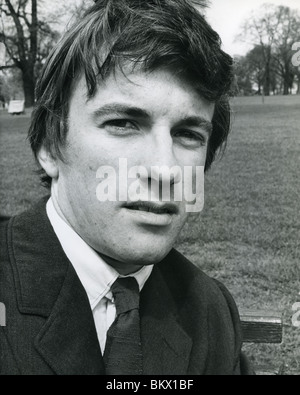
{"x":94,"y":273}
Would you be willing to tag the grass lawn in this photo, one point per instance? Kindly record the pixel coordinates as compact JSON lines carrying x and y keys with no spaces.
{"x":248,"y":234}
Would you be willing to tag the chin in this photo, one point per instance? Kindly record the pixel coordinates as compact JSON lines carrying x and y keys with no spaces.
{"x":137,"y":251}
{"x":147,"y":256}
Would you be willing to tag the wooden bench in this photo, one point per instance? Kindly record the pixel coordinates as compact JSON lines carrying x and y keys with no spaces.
{"x":260,"y":326}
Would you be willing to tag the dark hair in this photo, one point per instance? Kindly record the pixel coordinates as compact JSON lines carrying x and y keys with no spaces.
{"x":150,"y":34}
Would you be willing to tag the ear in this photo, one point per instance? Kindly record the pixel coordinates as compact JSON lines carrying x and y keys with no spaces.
{"x":48,"y":163}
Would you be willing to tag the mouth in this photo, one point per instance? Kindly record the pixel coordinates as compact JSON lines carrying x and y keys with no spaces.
{"x":151,"y":213}
{"x":151,"y":207}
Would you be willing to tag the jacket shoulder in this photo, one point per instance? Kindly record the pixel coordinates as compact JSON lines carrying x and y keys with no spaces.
{"x":182,"y":272}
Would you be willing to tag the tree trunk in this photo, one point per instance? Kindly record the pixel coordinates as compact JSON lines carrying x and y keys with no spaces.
{"x":267,"y":80}
{"x":286,"y":87}
{"x":27,"y":45}
{"x":28,"y":86}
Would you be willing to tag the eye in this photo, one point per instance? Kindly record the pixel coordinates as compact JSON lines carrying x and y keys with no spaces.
{"x":119,"y":126}
{"x":190,"y":138}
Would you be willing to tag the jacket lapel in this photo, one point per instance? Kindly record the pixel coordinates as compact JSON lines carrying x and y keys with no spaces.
{"x":47,"y":286}
{"x":68,"y":341}
{"x":166,"y":346}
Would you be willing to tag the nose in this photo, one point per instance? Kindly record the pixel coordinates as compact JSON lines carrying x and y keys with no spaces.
{"x":160,"y":158}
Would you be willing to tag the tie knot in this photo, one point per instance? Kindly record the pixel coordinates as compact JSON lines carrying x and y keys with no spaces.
{"x":126,"y":294}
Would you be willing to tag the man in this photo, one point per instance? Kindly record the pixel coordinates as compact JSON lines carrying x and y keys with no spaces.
{"x":145,"y":82}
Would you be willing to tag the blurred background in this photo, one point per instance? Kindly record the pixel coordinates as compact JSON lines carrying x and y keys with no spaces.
{"x":248,"y":234}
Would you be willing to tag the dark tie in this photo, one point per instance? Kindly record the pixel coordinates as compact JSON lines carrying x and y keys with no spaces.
{"x":123,"y":350}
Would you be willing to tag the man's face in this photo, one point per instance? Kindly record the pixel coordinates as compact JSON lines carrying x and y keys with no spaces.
{"x":149,"y":119}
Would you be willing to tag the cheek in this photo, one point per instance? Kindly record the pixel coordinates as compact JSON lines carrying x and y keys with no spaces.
{"x":83,"y":155}
{"x":191,"y":158}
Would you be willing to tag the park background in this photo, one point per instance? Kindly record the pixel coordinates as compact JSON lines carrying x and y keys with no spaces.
{"x":248,"y":234}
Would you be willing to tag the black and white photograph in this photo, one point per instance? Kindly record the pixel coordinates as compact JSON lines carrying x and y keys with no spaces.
{"x":149,"y":190}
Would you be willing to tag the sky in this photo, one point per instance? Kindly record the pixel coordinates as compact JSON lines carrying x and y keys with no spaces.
{"x":227,"y":16}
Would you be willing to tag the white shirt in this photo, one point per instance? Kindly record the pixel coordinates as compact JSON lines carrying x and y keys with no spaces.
{"x":94,"y":273}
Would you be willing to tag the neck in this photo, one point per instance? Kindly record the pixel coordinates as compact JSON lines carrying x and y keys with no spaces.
{"x":121,"y":267}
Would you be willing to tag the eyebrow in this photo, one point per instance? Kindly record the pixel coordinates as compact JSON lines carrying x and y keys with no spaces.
{"x":116,"y":108}
{"x":136,"y":112}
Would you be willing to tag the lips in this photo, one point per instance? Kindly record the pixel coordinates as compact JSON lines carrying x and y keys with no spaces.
{"x":151,"y":207}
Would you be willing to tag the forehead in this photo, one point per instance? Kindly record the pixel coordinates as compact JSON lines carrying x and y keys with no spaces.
{"x":159,"y":91}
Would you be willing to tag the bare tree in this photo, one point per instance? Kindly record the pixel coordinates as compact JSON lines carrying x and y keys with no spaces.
{"x":242,"y":76}
{"x":27,"y":40}
{"x":288,"y":33}
{"x":29,"y":30}
{"x":273,"y":29}
{"x":21,"y":40}
{"x":255,"y":60}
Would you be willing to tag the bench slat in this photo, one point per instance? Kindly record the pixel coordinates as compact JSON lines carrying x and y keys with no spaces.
{"x":261,"y":326}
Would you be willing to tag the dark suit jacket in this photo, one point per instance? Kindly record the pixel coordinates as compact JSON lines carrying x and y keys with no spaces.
{"x":189,"y":322}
